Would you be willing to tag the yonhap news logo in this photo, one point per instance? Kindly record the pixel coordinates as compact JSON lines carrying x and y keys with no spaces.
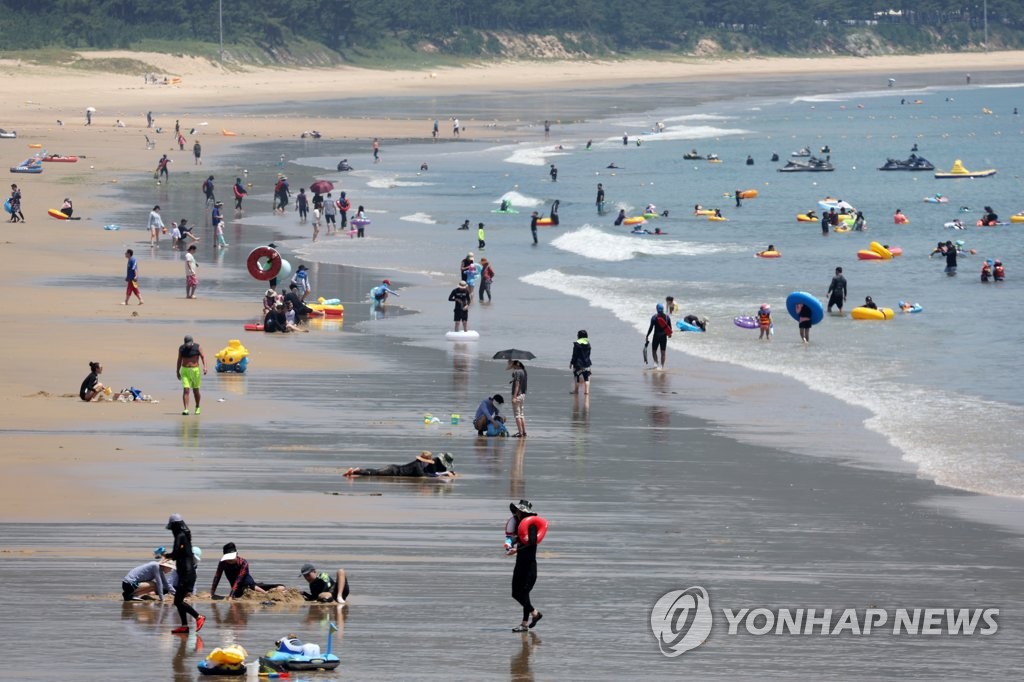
{"x":681,"y":620}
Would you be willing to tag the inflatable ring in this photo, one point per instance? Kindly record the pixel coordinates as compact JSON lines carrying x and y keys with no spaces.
{"x":804,"y":218}
{"x":529,"y":522}
{"x":635,"y":220}
{"x":768,"y":254}
{"x":841,"y":228}
{"x":263,"y":263}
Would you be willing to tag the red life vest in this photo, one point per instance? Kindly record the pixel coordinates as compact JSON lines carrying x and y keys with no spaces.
{"x":663,"y":324}
{"x":764,"y":320}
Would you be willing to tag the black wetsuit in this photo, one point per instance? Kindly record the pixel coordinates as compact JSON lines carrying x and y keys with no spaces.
{"x":533,"y":228}
{"x":837,"y":292}
{"x":185,"y":565}
{"x":524,"y":575}
{"x":414,"y":469}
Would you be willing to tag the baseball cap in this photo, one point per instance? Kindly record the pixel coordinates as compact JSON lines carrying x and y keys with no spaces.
{"x":306,"y":568}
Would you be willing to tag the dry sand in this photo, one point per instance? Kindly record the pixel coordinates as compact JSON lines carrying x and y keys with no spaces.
{"x":50,"y":341}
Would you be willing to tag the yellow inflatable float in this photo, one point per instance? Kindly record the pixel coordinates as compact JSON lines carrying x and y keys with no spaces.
{"x":862,"y":313}
{"x":233,"y":357}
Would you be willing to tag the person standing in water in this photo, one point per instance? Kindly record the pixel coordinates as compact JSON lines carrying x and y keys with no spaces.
{"x":524,"y":575}
{"x":837,"y":291}
{"x":533,"y":225}
{"x":185,"y":567}
{"x":803,"y":316}
{"x":661,"y":325}
{"x":600,"y":199}
{"x":580,"y":363}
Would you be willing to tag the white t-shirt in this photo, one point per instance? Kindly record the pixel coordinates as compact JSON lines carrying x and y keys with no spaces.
{"x":190,"y":264}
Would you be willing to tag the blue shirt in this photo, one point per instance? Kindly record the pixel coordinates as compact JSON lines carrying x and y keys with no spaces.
{"x":133,"y":273}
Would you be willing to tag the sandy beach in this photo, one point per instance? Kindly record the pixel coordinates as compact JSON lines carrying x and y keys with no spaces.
{"x":96,"y":480}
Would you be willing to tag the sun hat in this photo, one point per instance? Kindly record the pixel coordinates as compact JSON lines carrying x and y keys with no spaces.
{"x":230,"y":552}
{"x":463,"y":285}
{"x":469,"y":255}
{"x":387,"y":281}
{"x":307,"y":568}
{"x":176,"y":518}
{"x":445,"y":460}
{"x":523,"y":506}
{"x":168,"y":564}
{"x":426,"y":457}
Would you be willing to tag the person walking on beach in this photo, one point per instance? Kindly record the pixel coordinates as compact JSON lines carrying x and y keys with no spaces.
{"x":376,"y":150}
{"x":360,"y":222}
{"x":837,"y":291}
{"x":191,"y":279}
{"x":16,"y":214}
{"x":434,"y":132}
{"x":343,"y":208}
{"x":533,"y":226}
{"x":803,"y":316}
{"x":239,"y":192}
{"x":132,"y":278}
{"x":149,"y":119}
{"x":480,"y":236}
{"x":580,"y":363}
{"x":600,"y":199}
{"x":161,"y":167}
{"x":190,"y":355}
{"x":460,"y":296}
{"x":547,"y":129}
{"x":185,"y":568}
{"x":486,"y":277}
{"x":208,"y":190}
{"x":456,"y":127}
{"x":282,"y":196}
{"x":197,"y":153}
{"x":518,"y":396}
{"x":302,"y":205}
{"x":524,"y":575}
{"x":88,"y":116}
{"x":661,"y":325}
{"x":330,"y":214}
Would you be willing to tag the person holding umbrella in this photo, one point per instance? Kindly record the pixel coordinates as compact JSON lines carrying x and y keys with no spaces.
{"x":514,"y":357}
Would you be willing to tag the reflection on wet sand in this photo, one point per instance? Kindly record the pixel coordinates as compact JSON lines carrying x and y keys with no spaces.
{"x":580,"y":424}
{"x":517,"y":477}
{"x":462,"y":358}
{"x":519,"y":669}
{"x":187,"y":656}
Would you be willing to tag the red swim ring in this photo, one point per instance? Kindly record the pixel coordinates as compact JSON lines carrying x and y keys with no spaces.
{"x":263,"y":263}
{"x":524,"y":528}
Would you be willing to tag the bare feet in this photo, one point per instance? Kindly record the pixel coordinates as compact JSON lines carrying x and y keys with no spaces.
{"x":351,"y":473}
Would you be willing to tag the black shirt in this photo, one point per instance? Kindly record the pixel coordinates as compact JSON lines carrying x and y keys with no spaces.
{"x":88,"y":384}
{"x":461,"y":298}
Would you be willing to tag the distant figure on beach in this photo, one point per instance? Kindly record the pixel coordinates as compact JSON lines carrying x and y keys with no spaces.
{"x":456,"y":127}
{"x":968,"y":79}
{"x":612,"y":166}
{"x":625,"y":139}
{"x":998,"y":271}
{"x":67,"y":208}
{"x":424,"y":167}
{"x":149,"y":119}
{"x":16,"y":215}
{"x":764,"y":322}
{"x":323,"y":588}
{"x":524,"y":575}
{"x":580,"y":363}
{"x":360,"y":222}
{"x":750,"y":160}
{"x":161,"y":167}
{"x":343,"y":165}
{"x":379,"y":294}
{"x":825,"y":224}
{"x":185,"y":567}
{"x":190,"y":355}
{"x":518,"y":383}
{"x":191,"y":279}
{"x":239,"y":191}
{"x":480,"y":243}
{"x":858,"y":222}
{"x":330,"y":214}
{"x":671,"y":307}
{"x":739,"y":199}
{"x":547,"y":129}
{"x":803,"y":313}
{"x":426,"y":465}
{"x":91,"y":388}
{"x":487,"y":414}
{"x":661,"y":325}
{"x":600,"y":198}
{"x":275,"y":320}
{"x":208,"y":188}
{"x":464,"y":225}
{"x":837,"y":291}
{"x":236,"y":569}
{"x":181,"y":142}
{"x":148,"y":578}
{"x":88,"y":116}
{"x":621,"y":217}
{"x":343,"y":208}
{"x":460,"y":296}
{"x":486,"y":277}
{"x":434,"y":131}
{"x":197,"y":153}
{"x":302,"y":205}
{"x":132,"y":278}
{"x":533,"y":225}
{"x":376,"y":150}
{"x":156,"y":225}
{"x":282,"y":195}
{"x":553,"y":173}
{"x":590,"y":144}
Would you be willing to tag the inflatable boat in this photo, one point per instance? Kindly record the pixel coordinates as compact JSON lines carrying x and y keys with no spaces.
{"x":958,"y":171}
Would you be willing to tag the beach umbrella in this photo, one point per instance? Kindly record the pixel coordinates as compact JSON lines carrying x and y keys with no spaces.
{"x":514,"y":354}
{"x":91,"y":109}
{"x":321,"y":187}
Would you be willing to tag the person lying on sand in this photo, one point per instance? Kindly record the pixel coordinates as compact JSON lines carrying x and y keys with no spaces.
{"x":426,"y":465}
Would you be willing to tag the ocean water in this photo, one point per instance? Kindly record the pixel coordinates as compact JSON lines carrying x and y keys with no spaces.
{"x":937,"y":392}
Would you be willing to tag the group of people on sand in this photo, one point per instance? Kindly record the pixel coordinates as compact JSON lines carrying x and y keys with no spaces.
{"x":488,"y":420}
{"x":174,"y":572}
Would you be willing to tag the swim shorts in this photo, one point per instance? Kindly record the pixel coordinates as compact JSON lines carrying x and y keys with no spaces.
{"x":517,"y":405}
{"x":191,"y":377}
{"x":462,"y":315}
{"x":660,"y":342}
{"x":192,"y":280}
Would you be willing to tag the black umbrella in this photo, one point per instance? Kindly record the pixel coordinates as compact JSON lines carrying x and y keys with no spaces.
{"x":514,"y":354}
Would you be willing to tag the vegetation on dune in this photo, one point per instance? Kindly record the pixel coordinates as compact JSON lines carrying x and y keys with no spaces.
{"x":404,"y":31}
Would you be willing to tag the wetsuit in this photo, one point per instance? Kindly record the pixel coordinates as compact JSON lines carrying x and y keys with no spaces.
{"x":950,"y":259}
{"x":325,"y":583}
{"x":533,"y":228}
{"x":661,"y":325}
{"x":580,"y":361}
{"x":837,"y":292}
{"x":88,"y":385}
{"x":414,"y":469}
{"x":185,"y":567}
{"x":524,"y":575}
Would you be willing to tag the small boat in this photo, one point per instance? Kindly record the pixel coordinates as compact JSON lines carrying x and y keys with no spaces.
{"x":811,"y":165}
{"x":60,"y":159}
{"x":958,"y":171}
{"x":31,"y":165}
{"x":803,"y":151}
{"x":913,"y":163}
{"x":8,"y":134}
